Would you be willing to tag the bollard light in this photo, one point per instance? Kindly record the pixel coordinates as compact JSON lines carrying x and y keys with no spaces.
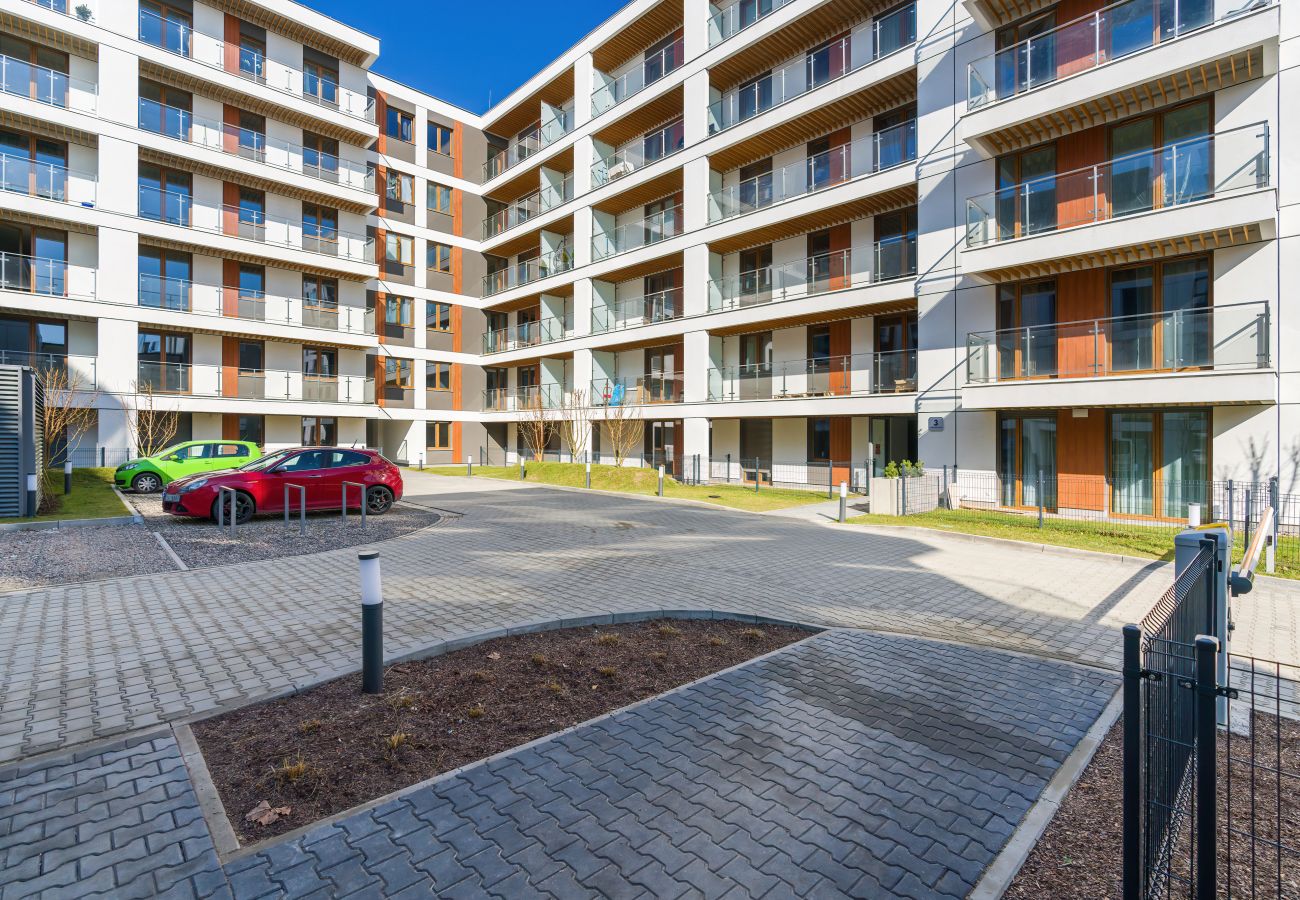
{"x":421,"y":462}
{"x":372,"y":624}
{"x":67,"y":476}
{"x":844,"y":501}
{"x":588,"y":474}
{"x":31,"y":496}
{"x":469,"y":466}
{"x":661,"y":481}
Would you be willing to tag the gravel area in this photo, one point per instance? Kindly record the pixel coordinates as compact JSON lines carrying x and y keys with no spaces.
{"x":198,"y":542}
{"x":31,"y":559}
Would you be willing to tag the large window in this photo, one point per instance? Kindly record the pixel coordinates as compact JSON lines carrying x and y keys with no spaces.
{"x":166,"y":195}
{"x":165,"y":278}
{"x":399,"y":187}
{"x":33,"y":259}
{"x":320,"y":362}
{"x":20,"y":338}
{"x":437,"y":316}
{"x":1027,"y":459}
{"x":165,"y":110}
{"x":437,"y":376}
{"x":166,"y":26}
{"x":1161,"y":160}
{"x":819,"y":440}
{"x":1161,"y":316}
{"x":47,"y":84}
{"x":439,"y":435}
{"x":320,"y":77}
{"x":320,"y":156}
{"x":399,"y":125}
{"x":320,"y":228}
{"x":439,"y":139}
{"x":1159,"y":461}
{"x":252,"y":428}
{"x":439,"y":257}
{"x":439,"y":198}
{"x":163,"y":362}
{"x":1026,"y":196}
{"x":397,"y":373}
{"x":320,"y":431}
{"x":1026,"y":336}
{"x":399,"y":249}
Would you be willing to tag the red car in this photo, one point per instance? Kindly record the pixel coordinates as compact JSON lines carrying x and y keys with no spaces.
{"x":260,"y":484}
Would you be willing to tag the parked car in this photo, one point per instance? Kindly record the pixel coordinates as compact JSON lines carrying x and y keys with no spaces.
{"x":148,"y":474}
{"x":260,"y":485}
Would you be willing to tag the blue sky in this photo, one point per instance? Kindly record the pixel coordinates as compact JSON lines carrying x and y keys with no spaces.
{"x":461,"y":50}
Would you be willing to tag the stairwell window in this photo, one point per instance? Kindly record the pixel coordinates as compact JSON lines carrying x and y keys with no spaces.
{"x":439,"y":139}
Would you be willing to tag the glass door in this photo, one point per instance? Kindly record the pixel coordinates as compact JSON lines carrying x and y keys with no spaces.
{"x":1132,"y":167}
{"x":1132,"y":301}
{"x":1026,"y":198}
{"x":1185,"y":329}
{"x":1132,"y":463}
{"x":1026,"y":459}
{"x":1026,"y":338}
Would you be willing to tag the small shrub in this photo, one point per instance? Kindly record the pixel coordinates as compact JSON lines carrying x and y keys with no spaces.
{"x":400,"y":700}
{"x":476,"y":712}
{"x":753,"y":634}
{"x":396,"y":741}
{"x":607,"y":671}
{"x":717,"y":642}
{"x":482,"y":676}
{"x":668,"y":631}
{"x":310,"y":725}
{"x":608,"y":640}
{"x":292,"y":772}
{"x":539,"y":660}
{"x":891,"y":469}
{"x":555,"y":687}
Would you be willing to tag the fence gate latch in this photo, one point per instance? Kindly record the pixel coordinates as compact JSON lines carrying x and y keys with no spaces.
{"x":1223,"y":691}
{"x":1150,"y":675}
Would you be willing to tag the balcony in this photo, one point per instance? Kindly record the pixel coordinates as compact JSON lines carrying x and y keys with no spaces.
{"x":634,"y":156}
{"x":529,"y":144}
{"x":737,"y":17}
{"x":184,"y":41}
{"x":527,"y":271}
{"x":1067,"y":363}
{"x":525,"y":208}
{"x":661,"y":306}
{"x":183,"y":295}
{"x":524,"y":335}
{"x":45,"y":277}
{"x":84,"y":10}
{"x":216,"y":381}
{"x":638,"y":390}
{"x":839,"y":270}
{"x":47,"y":181}
{"x":642,"y":233}
{"x":636,"y":77}
{"x":893,"y":372}
{"x":182,"y":125}
{"x":538,"y":396}
{"x":180,"y":208}
{"x":883,"y":150}
{"x":77,"y":373}
{"x":887,"y":35}
{"x":20,"y":78}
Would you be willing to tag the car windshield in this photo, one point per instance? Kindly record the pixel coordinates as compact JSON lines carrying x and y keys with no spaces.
{"x":265,"y":462}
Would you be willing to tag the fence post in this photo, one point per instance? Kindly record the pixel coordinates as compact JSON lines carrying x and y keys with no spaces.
{"x":830,"y":481}
{"x":1230,"y":505}
{"x":1271,"y":550}
{"x":902,"y":483}
{"x":1207,"y":805}
{"x":1245,"y":523}
{"x":101,"y":457}
{"x":1040,"y":499}
{"x":943,"y":497}
{"x":1132,"y":793}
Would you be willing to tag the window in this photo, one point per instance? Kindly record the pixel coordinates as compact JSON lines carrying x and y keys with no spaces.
{"x":252,"y":213}
{"x":439,"y":435}
{"x":1026,"y":449}
{"x":251,"y":356}
{"x":321,"y":362}
{"x":320,"y":293}
{"x":252,"y":428}
{"x":439,"y":257}
{"x":437,"y":316}
{"x":399,"y":249}
{"x":309,"y":460}
{"x":320,"y":226}
{"x":399,"y":311}
{"x":663,"y":142}
{"x":252,"y":136}
{"x":342,"y":458}
{"x":165,"y":110}
{"x":165,"y":195}
{"x":21,"y":337}
{"x":320,"y":77}
{"x":399,"y":125}
{"x":319,"y":431}
{"x":1027,"y":322}
{"x":320,"y":155}
{"x":437,"y":376}
{"x":439,"y":198}
{"x":163,"y":362}
{"x":230,"y":450}
{"x":165,"y":26}
{"x":1162,"y":316}
{"x":1026,"y":199}
{"x":397,"y":373}
{"x":164,"y":278}
{"x":439,"y":139}
{"x":1159,"y":461}
{"x":400,"y":188}
{"x":252,"y":282}
{"x":819,"y":440}
{"x":252,"y":51}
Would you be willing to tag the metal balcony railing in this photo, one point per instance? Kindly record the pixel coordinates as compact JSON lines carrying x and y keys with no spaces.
{"x":183,"y":40}
{"x":525,"y":208}
{"x":638,"y":390}
{"x":232,"y":301}
{"x":1100,"y":37}
{"x":20,"y":78}
{"x":78,"y":9}
{"x":548,"y":396}
{"x":660,"y":306}
{"x":639,"y":153}
{"x":651,"y":230}
{"x":886,"y":149}
{"x":1210,"y":338}
{"x":75,"y":371}
{"x":48,"y":277}
{"x":738,"y":16}
{"x":636,"y":77}
{"x":859,"y":373}
{"x":835,"y":271}
{"x":529,"y":144}
{"x":206,"y":380}
{"x":1200,"y":168}
{"x":527,"y":271}
{"x":47,"y":181}
{"x":527,"y":334}
{"x":183,"y":125}
{"x":820,"y":66}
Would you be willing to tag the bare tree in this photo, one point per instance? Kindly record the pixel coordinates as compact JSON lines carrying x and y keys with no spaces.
{"x":626,"y":431}
{"x":70,"y":399}
{"x":152,"y":428}
{"x":538,"y":424}
{"x":575,"y":423}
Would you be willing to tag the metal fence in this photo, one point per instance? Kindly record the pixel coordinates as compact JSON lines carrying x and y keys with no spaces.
{"x":91,"y":457}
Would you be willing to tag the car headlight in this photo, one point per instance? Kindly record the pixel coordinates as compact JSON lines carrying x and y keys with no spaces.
{"x":127,"y":467}
{"x":194,"y":485}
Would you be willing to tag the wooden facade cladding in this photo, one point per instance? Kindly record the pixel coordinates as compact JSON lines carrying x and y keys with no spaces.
{"x":1081,"y":458}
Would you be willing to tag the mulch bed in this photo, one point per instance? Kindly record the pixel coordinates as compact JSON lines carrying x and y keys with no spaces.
{"x":331,"y":748}
{"x":1081,"y":852}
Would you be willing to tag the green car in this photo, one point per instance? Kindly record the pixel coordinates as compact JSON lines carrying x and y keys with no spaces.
{"x":151,"y":473}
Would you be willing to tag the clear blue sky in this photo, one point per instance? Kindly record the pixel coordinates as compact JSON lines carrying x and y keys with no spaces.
{"x":460,"y":50}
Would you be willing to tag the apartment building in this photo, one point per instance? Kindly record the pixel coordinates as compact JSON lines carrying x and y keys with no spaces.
{"x":1013,"y":236}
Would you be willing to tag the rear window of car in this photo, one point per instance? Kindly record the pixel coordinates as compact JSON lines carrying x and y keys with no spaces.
{"x":231,"y":450}
{"x":340,"y":458}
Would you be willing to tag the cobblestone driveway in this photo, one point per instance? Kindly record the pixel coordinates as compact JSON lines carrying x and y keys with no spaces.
{"x":852,"y":764}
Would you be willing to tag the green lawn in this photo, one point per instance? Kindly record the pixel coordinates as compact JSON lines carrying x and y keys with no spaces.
{"x":92,"y":497}
{"x":1129,"y":540}
{"x":643,"y":481}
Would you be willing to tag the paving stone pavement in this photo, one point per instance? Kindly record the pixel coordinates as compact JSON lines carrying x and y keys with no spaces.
{"x":92,"y":660}
{"x":849,"y":765}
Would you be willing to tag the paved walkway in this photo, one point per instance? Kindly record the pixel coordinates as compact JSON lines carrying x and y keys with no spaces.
{"x":851,"y":764}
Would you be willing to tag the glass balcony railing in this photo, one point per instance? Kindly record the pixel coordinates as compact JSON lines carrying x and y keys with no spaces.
{"x":1100,"y":37}
{"x":20,"y":78}
{"x":638,"y":154}
{"x":827,"y":63}
{"x":182,"y":125}
{"x":839,"y":270}
{"x":75,"y":372}
{"x":639,"y":390}
{"x":180,"y":208}
{"x":651,"y":230}
{"x":660,"y":306}
{"x":208,"y":380}
{"x":181,"y":39}
{"x":545,"y":396}
{"x":48,"y":277}
{"x":636,"y":78}
{"x":527,"y":334}
{"x":527,"y":271}
{"x":1207,"y":338}
{"x":886,"y":149}
{"x":740,"y":15}
{"x":48,"y":181}
{"x":1200,"y":168}
{"x":184,"y":295}
{"x":859,"y":373}
{"x":529,"y":144}
{"x":525,"y":208}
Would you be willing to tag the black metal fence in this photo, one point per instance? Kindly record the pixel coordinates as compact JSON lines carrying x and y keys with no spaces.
{"x":91,"y":457}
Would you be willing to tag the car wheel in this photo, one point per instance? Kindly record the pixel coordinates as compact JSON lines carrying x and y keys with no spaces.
{"x":244,"y":509}
{"x":146,"y":483}
{"x":379,"y":500}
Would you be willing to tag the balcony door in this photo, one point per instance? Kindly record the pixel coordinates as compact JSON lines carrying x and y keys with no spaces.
{"x":1161,"y":317}
{"x":164,"y":362}
{"x":896,"y":340}
{"x":662,"y":384}
{"x":659,"y":295}
{"x":33,"y":166}
{"x":1027,"y":335}
{"x":1026,"y":459}
{"x":33,"y":259}
{"x":828,"y":160}
{"x":755,"y":278}
{"x":895,"y":143}
{"x":827,"y":62}
{"x":1161,"y":160}
{"x":755,"y":375}
{"x":829,"y":261}
{"x":1021,"y":66}
{"x":1159,"y":462}
{"x":1026,"y":197}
